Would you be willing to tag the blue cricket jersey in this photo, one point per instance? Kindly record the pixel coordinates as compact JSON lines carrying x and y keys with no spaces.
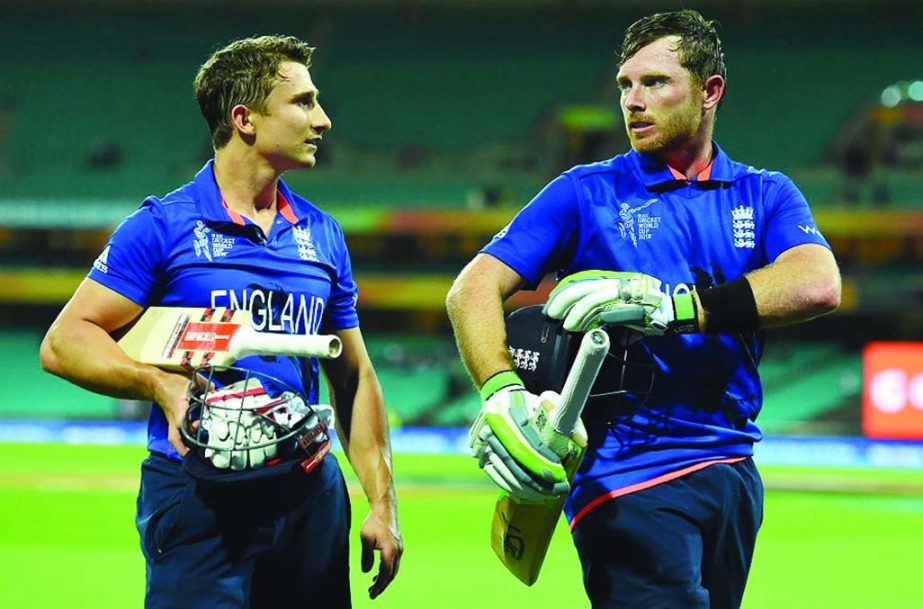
{"x":190,"y":250}
{"x":633,"y":213}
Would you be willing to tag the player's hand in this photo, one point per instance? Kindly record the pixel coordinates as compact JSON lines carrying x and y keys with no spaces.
{"x":380,"y":533}
{"x":508,"y":439}
{"x":171,"y":395}
{"x":590,"y":299}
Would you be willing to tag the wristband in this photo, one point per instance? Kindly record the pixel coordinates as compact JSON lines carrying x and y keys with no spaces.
{"x":730,"y":308}
{"x":498,"y":381}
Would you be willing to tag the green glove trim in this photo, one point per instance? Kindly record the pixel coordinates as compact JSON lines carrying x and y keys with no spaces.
{"x":498,"y":381}
{"x":686,"y":320}
{"x":519,"y":440}
{"x":684,"y":307}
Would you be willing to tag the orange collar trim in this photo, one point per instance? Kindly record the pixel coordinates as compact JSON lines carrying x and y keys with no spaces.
{"x":285,"y":209}
{"x":702,"y":176}
{"x":236,"y":217}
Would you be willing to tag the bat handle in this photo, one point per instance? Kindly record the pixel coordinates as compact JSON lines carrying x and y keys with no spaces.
{"x":250,"y":342}
{"x":593,"y":349}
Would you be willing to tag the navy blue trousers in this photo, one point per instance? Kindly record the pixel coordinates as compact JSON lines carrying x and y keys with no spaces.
{"x":683,"y":544}
{"x":272,"y":543}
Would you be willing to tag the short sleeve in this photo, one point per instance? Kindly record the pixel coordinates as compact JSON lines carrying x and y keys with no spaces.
{"x":341,"y":311}
{"x":790,"y":222}
{"x":541,"y":237}
{"x":132,"y":260}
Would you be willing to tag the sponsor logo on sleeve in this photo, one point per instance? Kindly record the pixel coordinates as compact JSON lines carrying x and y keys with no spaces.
{"x":809,"y":230}
{"x":101,"y":263}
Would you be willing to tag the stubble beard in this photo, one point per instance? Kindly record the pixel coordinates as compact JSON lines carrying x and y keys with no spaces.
{"x":673,"y":132}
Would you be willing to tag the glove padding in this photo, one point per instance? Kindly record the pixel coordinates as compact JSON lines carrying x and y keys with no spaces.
{"x":590,"y":299}
{"x":243,"y":423}
{"x":517,"y":447}
{"x":235,"y":433}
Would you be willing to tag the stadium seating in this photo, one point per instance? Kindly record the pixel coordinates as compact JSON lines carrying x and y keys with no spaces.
{"x":408,"y":96}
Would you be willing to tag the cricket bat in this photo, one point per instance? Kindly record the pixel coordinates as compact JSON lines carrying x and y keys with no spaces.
{"x":185,"y":338}
{"x":521,"y":532}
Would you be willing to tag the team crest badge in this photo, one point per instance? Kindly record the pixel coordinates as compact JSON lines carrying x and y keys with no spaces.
{"x":306,"y":250}
{"x":744,"y":227}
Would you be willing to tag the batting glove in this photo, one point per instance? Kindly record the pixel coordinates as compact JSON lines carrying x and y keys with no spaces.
{"x":510,"y":438}
{"x":590,"y":299}
{"x":236,"y":432}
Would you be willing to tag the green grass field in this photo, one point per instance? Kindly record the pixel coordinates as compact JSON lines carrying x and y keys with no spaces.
{"x":831,"y":539}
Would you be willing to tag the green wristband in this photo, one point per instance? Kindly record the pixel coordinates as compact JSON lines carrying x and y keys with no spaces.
{"x":498,"y":381}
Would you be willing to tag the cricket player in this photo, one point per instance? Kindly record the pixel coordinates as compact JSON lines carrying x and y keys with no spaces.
{"x":237,"y":237}
{"x":666,"y":506}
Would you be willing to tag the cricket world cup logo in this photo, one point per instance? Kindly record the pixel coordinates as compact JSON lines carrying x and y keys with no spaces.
{"x":200,"y":242}
{"x":636,"y":226}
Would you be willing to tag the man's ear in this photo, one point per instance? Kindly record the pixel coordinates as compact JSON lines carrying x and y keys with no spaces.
{"x":241,"y":121}
{"x":712,"y":92}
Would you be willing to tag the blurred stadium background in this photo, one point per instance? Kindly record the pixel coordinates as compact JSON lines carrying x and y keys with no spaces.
{"x":448,"y":116}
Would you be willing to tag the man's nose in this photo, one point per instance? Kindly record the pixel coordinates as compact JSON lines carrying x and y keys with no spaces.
{"x":633,"y":100}
{"x":321,"y":121}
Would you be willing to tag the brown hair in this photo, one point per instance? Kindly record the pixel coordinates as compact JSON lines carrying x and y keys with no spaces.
{"x":699,"y":46}
{"x":243,"y":72}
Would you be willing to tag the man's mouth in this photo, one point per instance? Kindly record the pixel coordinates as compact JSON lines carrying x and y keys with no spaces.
{"x":640,"y":126}
{"x":313,"y":141}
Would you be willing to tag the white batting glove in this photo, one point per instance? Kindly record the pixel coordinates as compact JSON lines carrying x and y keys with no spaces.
{"x":235,"y":429}
{"x":590,"y":299}
{"x":508,"y":439}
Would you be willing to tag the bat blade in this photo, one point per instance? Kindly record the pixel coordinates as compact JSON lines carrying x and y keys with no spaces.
{"x":521,"y":533}
{"x":185,"y":338}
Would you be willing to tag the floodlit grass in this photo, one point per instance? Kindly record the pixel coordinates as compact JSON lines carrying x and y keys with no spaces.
{"x":67,"y":537}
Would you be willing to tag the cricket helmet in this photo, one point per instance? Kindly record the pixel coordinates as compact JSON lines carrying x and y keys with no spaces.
{"x":247,"y":425}
{"x":543,"y":353}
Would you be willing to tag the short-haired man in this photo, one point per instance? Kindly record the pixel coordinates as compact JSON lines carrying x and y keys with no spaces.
{"x":706,"y":253}
{"x":237,"y":237}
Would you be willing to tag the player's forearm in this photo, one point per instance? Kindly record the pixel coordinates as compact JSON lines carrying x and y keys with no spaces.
{"x":368,"y":446}
{"x":475,"y":310}
{"x":803,"y":283}
{"x":84,"y":354}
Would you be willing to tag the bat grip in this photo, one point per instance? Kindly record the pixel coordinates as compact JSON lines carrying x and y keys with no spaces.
{"x":593,"y":349}
{"x":250,"y":342}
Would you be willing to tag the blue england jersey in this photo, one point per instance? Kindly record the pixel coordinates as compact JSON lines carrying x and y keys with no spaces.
{"x":190,"y":250}
{"x":633,"y":213}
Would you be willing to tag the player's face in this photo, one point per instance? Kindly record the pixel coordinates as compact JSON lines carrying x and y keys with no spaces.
{"x":289,"y":130}
{"x":661,"y":103}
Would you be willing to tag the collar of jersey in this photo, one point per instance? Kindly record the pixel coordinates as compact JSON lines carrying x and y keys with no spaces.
{"x":653,"y":172}
{"x":214,"y":209}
